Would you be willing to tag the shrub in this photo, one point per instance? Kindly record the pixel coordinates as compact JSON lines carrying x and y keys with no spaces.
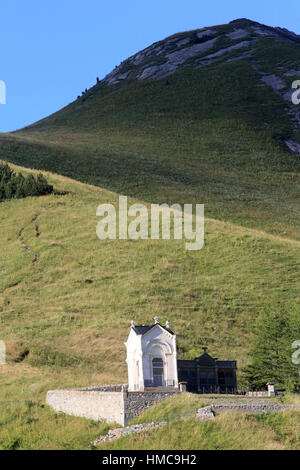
{"x":19,"y":186}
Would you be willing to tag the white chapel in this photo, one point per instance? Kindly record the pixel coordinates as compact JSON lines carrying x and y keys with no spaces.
{"x":151,"y":356}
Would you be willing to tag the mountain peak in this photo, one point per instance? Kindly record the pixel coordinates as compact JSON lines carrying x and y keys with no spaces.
{"x":243,"y":20}
{"x":236,"y":40}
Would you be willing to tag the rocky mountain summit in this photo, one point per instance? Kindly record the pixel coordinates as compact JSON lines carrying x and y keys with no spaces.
{"x":206,"y":115}
{"x":235,"y":41}
{"x":240,"y":40}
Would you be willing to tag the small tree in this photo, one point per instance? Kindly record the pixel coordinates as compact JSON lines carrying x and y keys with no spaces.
{"x":42,"y":185}
{"x":271,"y":351}
{"x":19,"y":186}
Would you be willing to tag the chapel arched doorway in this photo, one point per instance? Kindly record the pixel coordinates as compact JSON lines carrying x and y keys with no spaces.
{"x":158,"y":371}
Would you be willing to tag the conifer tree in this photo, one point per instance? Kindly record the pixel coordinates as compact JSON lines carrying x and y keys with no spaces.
{"x":19,"y":186}
{"x":272,"y":350}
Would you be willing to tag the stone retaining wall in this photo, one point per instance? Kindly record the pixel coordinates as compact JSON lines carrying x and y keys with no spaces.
{"x":245,"y":406}
{"x":137,"y":402}
{"x":102,"y":404}
{"x":257,"y":408}
{"x":114,"y":404}
{"x":93,"y":404}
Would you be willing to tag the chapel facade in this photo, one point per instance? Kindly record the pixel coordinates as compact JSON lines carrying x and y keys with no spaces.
{"x":153,"y":364}
{"x":151,"y":357}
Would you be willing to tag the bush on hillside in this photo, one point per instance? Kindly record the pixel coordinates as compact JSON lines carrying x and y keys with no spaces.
{"x":271,"y":352}
{"x":17,"y":186}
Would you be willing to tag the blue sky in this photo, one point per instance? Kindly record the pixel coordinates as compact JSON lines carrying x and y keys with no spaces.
{"x":52,"y":50}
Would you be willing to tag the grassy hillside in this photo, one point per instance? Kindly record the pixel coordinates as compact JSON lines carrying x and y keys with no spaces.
{"x":226,"y":432}
{"x":213,"y":131}
{"x":210,"y":132}
{"x":67,"y":298}
{"x":71,"y":290}
{"x":229,"y":431}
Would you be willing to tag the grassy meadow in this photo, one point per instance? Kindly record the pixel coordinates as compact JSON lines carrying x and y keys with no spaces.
{"x":212,"y":135}
{"x":228,"y":431}
{"x":67,"y":298}
{"x":277,"y":431}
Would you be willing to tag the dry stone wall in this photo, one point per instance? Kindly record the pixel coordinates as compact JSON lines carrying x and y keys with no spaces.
{"x":137,"y":402}
{"x":256,"y":406}
{"x":93,"y":404}
{"x":112,"y":404}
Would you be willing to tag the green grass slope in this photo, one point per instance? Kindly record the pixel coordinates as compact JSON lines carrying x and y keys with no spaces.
{"x":67,"y":298}
{"x":228,"y":431}
{"x":211,"y":133}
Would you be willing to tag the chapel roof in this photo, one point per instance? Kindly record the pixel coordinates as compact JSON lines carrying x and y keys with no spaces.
{"x":143,"y":329}
{"x":205,"y":359}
